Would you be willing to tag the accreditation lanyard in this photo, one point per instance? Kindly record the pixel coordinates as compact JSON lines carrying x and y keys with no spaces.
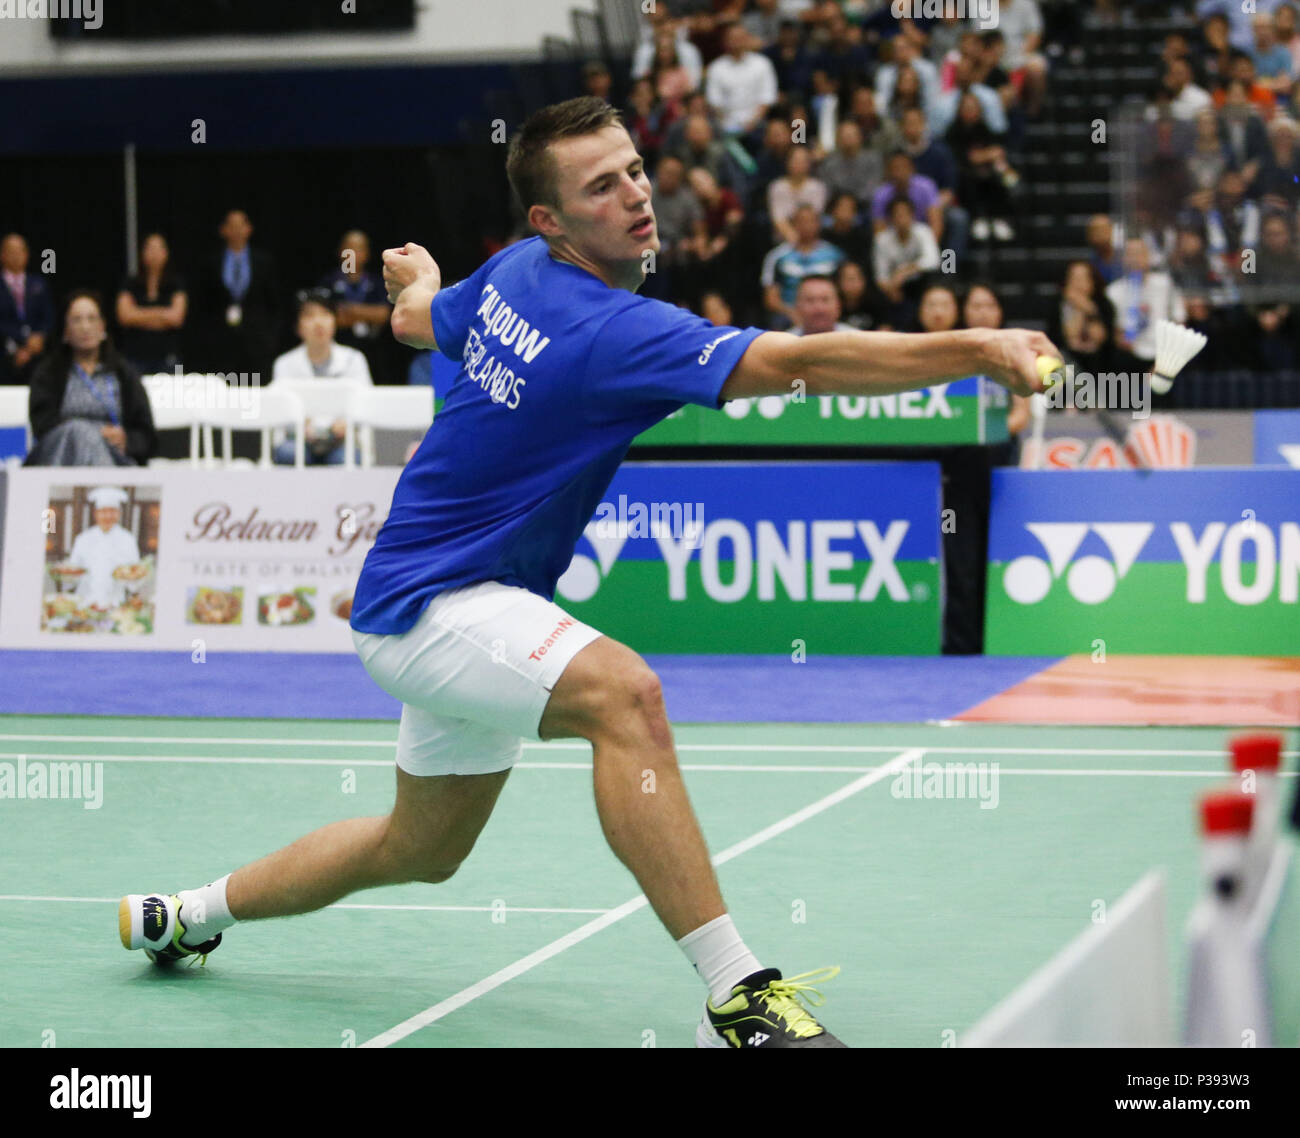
{"x":105,"y":398}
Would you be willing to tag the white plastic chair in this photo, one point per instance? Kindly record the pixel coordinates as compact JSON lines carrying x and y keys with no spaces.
{"x":324,"y":399}
{"x":261,"y":409}
{"x":14,"y":412}
{"x":389,"y":408}
{"x":174,"y":401}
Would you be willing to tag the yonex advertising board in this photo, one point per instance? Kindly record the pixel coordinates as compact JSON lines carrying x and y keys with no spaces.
{"x":837,"y":558}
{"x":969,"y":411}
{"x":1199,"y":562}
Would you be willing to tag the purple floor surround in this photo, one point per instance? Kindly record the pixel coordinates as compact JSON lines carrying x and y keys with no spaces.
{"x":698,"y":689}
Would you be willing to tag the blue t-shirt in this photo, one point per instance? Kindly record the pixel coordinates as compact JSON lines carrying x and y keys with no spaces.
{"x":559,"y":373}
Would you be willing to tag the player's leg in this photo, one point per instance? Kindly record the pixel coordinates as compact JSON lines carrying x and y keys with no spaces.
{"x":431,"y":830}
{"x":609,"y":695}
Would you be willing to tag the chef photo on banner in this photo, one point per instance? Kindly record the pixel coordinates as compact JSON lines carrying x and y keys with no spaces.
{"x":102,"y":548}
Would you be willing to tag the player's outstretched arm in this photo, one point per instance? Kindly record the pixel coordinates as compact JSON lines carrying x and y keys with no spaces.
{"x":882,"y":363}
{"x":413,"y":279}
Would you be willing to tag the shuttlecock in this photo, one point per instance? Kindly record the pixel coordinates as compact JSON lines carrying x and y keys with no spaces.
{"x":1175,"y":345}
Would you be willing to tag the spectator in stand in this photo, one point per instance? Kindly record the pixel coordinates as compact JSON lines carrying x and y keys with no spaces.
{"x":817,"y":308}
{"x":879,"y":133}
{"x":672,"y":80}
{"x":1141,"y":298}
{"x":907,"y":56}
{"x":1190,"y":266}
{"x":1238,"y":14}
{"x":787,"y":264}
{"x":26,"y":312}
{"x":716,"y":310}
{"x":1257,"y":94}
{"x":770,"y":162}
{"x":1100,"y":238}
{"x":1216,"y":51}
{"x":938,"y":310}
{"x":1272,"y":61}
{"x":1232,"y":221}
{"x":151,"y":307}
{"x":1277,"y":185}
{"x":969,"y":47}
{"x":659,"y":18}
{"x":681,"y":227}
{"x":88,"y":406}
{"x":945,"y":39}
{"x":861,"y":305}
{"x":1208,"y":157}
{"x":850,"y":168}
{"x":903,"y":253}
{"x":907,"y":93}
{"x":1242,"y":131}
{"x":932,"y":159}
{"x":825,"y":106}
{"x":902,"y":180}
{"x":985,"y":178}
{"x":699,"y":147}
{"x":846,"y":229}
{"x":237,"y":303}
{"x":1021,"y":25}
{"x":1164,"y":181}
{"x":764,"y":22}
{"x":991,"y":109}
{"x":318,"y":356}
{"x":791,"y":60}
{"x":844,"y":57}
{"x":1276,"y":276}
{"x":362,"y":311}
{"x":798,"y":187}
{"x":1178,"y":95}
{"x":645,"y":120}
{"x":597,"y":81}
{"x":1175,"y":46}
{"x":723,"y":216}
{"x":1284,"y":27}
{"x":991,"y":71}
{"x":740,"y":85}
{"x":1082,"y":322}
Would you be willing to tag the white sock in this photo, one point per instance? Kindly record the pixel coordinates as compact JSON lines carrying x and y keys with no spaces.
{"x":204,"y":912}
{"x":719,"y":956}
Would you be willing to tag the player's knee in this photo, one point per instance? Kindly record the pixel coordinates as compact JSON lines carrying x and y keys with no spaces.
{"x":632,"y":701}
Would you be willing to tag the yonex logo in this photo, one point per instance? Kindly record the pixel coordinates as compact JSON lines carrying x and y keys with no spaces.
{"x":757,"y":1038}
{"x":1091,"y":579}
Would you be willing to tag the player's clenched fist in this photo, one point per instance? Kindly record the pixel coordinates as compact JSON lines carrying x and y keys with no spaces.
{"x":1012,"y":358}
{"x":405,"y":266}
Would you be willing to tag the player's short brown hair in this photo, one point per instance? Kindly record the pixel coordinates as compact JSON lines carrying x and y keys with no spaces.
{"x":531,"y":167}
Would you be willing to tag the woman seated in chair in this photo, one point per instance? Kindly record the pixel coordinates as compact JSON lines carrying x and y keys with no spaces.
{"x":88,"y":405}
{"x":320,"y":357}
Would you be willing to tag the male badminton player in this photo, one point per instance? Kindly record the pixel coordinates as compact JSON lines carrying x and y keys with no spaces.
{"x":563,"y":365}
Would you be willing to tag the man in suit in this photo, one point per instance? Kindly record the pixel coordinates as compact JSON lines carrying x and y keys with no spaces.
{"x":238,"y":306}
{"x":26,"y":312}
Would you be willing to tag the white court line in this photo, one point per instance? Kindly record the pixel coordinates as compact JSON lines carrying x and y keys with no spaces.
{"x":730,"y":768}
{"x":388,"y":908}
{"x":579,"y":744}
{"x":524,"y":964}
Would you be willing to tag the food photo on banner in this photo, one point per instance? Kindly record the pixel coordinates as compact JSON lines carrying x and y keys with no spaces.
{"x":101,"y":545}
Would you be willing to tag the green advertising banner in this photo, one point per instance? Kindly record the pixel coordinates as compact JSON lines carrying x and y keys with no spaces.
{"x":830,"y":558}
{"x":1196,"y":562}
{"x":968,"y":412}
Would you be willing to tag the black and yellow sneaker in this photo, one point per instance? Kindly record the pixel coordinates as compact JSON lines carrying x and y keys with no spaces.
{"x":765,"y":1011}
{"x":152,"y":921}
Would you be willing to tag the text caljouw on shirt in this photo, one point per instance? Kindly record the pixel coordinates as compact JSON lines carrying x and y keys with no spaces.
{"x":504,"y":331}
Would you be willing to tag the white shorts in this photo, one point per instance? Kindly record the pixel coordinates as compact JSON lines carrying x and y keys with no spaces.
{"x":474,"y":673}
